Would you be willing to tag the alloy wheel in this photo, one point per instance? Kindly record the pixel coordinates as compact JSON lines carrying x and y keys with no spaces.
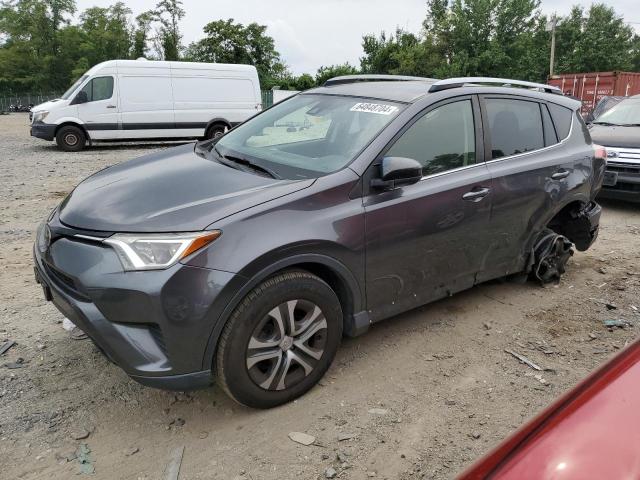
{"x":286,"y":345}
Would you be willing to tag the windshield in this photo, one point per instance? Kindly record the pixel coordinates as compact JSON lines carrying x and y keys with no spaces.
{"x":73,"y":87}
{"x":309,"y":135}
{"x":626,"y":112}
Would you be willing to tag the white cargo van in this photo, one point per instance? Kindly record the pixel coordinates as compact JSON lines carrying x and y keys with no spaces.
{"x":140,"y":99}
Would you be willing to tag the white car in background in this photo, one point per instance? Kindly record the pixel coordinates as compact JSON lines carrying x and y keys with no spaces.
{"x":140,"y":99}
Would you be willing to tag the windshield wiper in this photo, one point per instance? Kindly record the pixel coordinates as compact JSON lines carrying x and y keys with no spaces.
{"x":247,"y":163}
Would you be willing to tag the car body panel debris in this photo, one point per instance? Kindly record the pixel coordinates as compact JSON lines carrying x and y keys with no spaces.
{"x":6,"y":346}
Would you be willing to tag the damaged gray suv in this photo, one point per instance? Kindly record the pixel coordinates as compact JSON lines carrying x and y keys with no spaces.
{"x":246,"y":258}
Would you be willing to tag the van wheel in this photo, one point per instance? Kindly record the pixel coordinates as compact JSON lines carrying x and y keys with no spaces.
{"x":71,"y":139}
{"x":215,"y":131}
{"x":279,"y":341}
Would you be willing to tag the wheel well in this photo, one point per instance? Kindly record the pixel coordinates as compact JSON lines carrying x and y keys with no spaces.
{"x":567,"y":213}
{"x":72,"y":124}
{"x":217,"y":121}
{"x":572,"y":222}
{"x":331,"y":278}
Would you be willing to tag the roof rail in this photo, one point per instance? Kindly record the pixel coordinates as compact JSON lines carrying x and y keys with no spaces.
{"x":374,"y":78}
{"x":460,"y":82}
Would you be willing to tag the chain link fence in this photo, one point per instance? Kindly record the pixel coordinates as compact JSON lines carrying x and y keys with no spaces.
{"x":15,"y":100}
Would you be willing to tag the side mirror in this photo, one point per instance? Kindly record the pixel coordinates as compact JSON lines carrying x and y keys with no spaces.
{"x":397,"y":171}
{"x":81,"y":97}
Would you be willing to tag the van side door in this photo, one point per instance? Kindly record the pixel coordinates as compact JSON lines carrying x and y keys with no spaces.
{"x":146,"y":103}
{"x":99,"y":113}
{"x":427,"y":240}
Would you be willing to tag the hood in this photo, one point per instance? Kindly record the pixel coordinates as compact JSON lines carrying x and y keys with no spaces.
{"x":171,"y":191}
{"x":624,"y":137}
{"x":45,"y":105}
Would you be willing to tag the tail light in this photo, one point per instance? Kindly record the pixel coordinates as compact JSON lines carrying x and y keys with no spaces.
{"x":600,"y":152}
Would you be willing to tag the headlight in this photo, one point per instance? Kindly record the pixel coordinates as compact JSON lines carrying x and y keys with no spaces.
{"x":158,"y":251}
{"x":40,"y":116}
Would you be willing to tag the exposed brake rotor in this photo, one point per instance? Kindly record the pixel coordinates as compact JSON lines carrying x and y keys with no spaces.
{"x":552,"y":252}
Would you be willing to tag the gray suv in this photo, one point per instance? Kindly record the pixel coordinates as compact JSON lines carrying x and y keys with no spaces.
{"x":246,"y":258}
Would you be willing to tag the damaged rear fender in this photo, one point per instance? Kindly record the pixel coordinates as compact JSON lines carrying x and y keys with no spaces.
{"x":579,"y":222}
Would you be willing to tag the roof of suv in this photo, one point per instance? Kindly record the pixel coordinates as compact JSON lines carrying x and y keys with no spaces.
{"x":408,"y":90}
{"x":397,"y":91}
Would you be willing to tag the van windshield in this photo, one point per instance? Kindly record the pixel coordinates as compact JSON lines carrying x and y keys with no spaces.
{"x":309,"y":135}
{"x":73,"y":87}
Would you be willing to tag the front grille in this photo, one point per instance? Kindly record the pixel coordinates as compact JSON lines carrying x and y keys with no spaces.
{"x":627,"y":155}
{"x":64,"y":281}
{"x":627,"y":187}
{"x":621,"y":168}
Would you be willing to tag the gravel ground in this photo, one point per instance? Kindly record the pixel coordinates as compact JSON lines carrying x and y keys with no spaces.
{"x":420,"y":396}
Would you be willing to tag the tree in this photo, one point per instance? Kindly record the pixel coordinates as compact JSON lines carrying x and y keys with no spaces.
{"x":168,"y":38}
{"x":599,"y":41}
{"x":107,"y":33}
{"x":226,"y":41}
{"x":141,"y":34}
{"x":325,"y":73}
{"x":31,"y":49}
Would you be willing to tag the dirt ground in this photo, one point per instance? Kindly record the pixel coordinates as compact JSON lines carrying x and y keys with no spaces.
{"x":443,"y":388}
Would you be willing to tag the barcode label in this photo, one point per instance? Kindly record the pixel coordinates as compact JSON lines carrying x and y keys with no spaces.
{"x":378,"y":108}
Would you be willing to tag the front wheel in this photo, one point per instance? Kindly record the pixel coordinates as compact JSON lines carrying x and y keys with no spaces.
{"x":279,"y":341}
{"x":215,"y":131}
{"x":71,"y":139}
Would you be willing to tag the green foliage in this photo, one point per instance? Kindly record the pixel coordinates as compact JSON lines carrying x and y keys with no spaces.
{"x":106,"y":33}
{"x":325,"y":73}
{"x":168,"y":40}
{"x":226,"y":41}
{"x":41,"y":50}
{"x":503,"y":38}
{"x":598,"y":41}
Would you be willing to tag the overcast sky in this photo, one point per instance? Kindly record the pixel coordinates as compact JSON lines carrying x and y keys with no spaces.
{"x":311,"y":33}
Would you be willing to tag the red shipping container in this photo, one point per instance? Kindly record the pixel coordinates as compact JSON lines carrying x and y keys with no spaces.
{"x":591,"y":87}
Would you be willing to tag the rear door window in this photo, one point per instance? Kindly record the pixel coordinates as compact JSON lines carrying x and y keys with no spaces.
{"x":443,"y":139}
{"x":515,"y":126}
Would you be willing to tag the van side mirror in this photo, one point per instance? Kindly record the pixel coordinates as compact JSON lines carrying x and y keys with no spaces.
{"x":396,"y":172}
{"x":81,"y":97}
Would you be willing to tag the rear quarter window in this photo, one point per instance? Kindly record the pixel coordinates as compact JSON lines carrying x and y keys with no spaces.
{"x":562,"y":117}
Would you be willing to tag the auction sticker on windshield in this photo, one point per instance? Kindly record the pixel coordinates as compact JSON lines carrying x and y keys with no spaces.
{"x":378,"y":108}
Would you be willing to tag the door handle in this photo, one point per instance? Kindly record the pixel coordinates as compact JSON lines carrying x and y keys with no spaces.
{"x":476,"y":194}
{"x":560,"y":174}
{"x":111,"y":106}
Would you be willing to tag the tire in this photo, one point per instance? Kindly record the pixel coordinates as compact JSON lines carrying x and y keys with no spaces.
{"x":214,"y":131}
{"x":263,"y":360}
{"x":71,"y":139}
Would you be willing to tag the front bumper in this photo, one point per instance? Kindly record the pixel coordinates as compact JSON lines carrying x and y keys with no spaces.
{"x":155,"y":325}
{"x":43,"y":130}
{"x":622,"y":182}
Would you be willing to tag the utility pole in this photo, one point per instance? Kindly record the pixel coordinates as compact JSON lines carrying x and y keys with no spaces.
{"x":552,"y":26}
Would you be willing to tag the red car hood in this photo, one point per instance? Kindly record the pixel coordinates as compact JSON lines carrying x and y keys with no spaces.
{"x":592,"y":432}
